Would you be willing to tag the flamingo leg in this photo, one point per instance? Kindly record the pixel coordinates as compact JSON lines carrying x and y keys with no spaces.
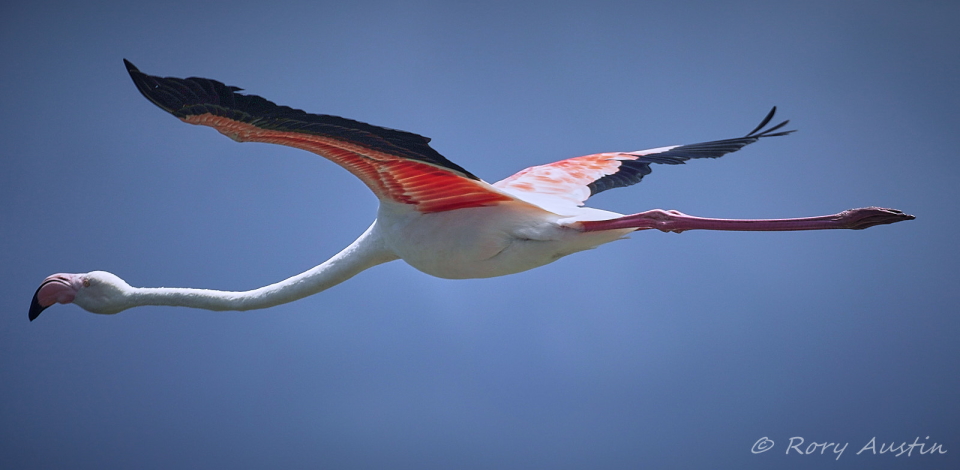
{"x":675,"y":221}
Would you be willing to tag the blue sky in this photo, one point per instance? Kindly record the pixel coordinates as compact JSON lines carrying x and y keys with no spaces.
{"x":661,"y":351}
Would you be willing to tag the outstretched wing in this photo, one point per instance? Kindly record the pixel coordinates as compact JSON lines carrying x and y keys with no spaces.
{"x":570,"y":182}
{"x":398,"y":166}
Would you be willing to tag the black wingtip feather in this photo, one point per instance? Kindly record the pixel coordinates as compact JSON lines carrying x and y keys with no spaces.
{"x":779,"y":134}
{"x":768,"y":132}
{"x":764,"y":122}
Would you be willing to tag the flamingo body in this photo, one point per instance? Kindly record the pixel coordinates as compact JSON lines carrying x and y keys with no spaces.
{"x":481,"y":242}
{"x":434,"y":214}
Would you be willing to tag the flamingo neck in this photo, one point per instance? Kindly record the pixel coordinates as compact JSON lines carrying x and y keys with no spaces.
{"x":366,"y":252}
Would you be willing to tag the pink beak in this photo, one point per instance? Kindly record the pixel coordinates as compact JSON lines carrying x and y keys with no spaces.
{"x":58,"y":288}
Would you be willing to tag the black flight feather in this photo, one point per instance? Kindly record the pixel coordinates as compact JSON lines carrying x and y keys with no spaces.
{"x":193,"y":96}
{"x":632,"y":171}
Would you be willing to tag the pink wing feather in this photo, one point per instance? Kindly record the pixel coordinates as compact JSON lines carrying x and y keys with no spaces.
{"x":567,"y":182}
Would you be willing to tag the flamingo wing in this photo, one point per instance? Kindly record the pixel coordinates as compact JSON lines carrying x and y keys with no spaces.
{"x":569,"y":183}
{"x":396,"y":165}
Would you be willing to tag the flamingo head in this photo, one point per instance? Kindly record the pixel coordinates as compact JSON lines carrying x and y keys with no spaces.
{"x":96,"y":292}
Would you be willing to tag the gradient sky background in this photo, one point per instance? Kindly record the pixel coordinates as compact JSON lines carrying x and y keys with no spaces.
{"x":662,"y":351}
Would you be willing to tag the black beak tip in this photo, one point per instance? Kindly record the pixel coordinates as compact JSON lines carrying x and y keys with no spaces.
{"x":35,"y":307}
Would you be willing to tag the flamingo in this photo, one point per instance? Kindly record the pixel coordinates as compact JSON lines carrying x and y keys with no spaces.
{"x":434,"y":214}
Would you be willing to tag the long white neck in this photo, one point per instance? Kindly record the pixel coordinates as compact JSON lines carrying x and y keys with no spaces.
{"x":366,"y":252}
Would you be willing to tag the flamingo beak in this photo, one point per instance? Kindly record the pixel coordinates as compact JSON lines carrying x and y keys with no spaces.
{"x":58,"y":288}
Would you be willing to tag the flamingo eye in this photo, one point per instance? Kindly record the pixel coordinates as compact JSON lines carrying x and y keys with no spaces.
{"x":86,"y":283}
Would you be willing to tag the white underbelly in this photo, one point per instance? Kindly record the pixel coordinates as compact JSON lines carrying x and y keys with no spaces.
{"x":482,"y":241}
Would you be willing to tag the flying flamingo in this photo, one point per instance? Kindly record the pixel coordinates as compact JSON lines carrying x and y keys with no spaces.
{"x":434,"y":214}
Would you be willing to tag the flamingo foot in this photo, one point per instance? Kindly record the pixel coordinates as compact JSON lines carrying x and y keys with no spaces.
{"x":675,"y":221}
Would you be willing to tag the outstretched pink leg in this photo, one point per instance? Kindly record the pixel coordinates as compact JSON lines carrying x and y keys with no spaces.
{"x":674,"y":221}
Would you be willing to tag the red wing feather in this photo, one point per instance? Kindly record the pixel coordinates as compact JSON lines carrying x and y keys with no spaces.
{"x":429,"y":187}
